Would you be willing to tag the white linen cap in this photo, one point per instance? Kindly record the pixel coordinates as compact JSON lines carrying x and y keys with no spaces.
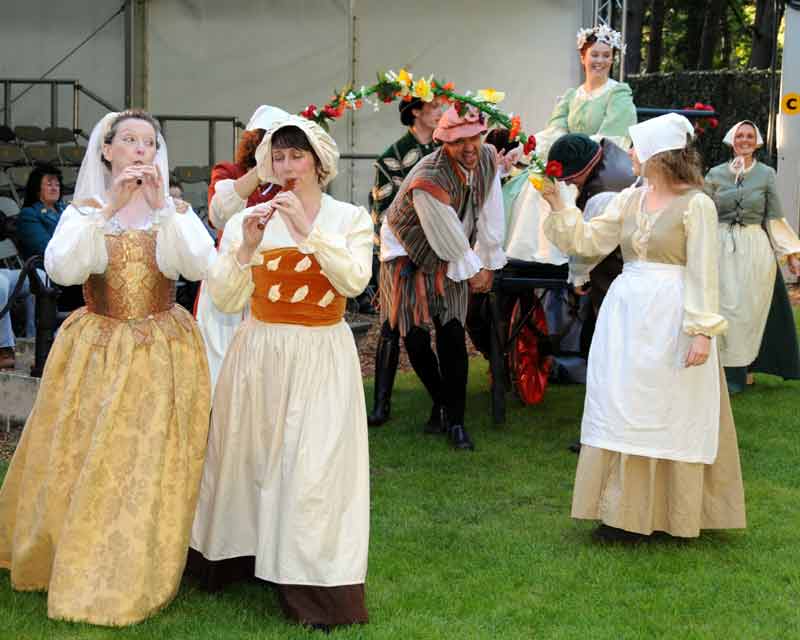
{"x":663,"y":133}
{"x":265,"y":116}
{"x":322,"y":143}
{"x":728,"y":139}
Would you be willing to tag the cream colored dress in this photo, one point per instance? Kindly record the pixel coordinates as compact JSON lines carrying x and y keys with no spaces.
{"x":98,"y":502}
{"x":286,"y":477}
{"x":660,"y":449}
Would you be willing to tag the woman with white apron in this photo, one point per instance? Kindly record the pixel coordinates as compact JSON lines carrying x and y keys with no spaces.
{"x":659,"y":445}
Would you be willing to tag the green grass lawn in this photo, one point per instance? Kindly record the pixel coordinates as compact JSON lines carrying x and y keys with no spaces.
{"x":481,"y":545}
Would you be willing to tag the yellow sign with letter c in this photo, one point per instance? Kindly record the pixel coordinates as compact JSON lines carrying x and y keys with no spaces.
{"x":790,"y":104}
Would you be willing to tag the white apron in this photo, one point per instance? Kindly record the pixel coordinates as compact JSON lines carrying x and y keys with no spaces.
{"x":641,"y":399}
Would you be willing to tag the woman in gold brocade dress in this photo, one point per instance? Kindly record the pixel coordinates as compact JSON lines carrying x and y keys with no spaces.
{"x":285,"y":489}
{"x":98,"y":502}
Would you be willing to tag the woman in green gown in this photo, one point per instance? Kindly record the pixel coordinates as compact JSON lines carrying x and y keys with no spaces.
{"x":601,"y":108}
{"x":752,"y":233}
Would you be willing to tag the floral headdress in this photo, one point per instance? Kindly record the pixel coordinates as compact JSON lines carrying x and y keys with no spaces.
{"x":602,"y":33}
{"x":392,"y":86}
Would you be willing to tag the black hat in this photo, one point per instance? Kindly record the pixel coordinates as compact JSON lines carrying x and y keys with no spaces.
{"x":577,"y":153}
{"x":406,"y":110}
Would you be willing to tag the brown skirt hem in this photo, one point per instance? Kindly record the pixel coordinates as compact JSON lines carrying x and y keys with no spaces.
{"x":305,"y":604}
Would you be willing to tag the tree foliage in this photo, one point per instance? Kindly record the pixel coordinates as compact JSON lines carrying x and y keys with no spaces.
{"x":688,"y":35}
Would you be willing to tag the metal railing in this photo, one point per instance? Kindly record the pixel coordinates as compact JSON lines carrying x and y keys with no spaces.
{"x":77,"y":90}
{"x":212,"y":121}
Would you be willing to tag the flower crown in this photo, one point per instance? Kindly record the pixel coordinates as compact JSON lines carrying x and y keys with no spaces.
{"x":391,"y":86}
{"x":603,"y":33}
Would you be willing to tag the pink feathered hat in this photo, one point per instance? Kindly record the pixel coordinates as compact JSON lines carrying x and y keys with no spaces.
{"x":453,"y":127}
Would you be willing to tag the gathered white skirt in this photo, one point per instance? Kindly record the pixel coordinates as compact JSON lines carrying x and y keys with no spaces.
{"x":641,"y":399}
{"x":217,"y":329}
{"x":746,"y":283}
{"x":286,"y":477}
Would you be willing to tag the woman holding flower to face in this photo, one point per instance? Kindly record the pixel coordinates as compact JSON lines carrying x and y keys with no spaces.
{"x":659,"y":449}
{"x":285,"y":489}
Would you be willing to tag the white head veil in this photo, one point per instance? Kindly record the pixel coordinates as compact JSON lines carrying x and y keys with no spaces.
{"x":94,"y":178}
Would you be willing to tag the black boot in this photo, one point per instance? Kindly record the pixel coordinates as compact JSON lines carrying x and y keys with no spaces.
{"x":437,"y":423}
{"x":387,"y":355}
{"x":459,"y":438}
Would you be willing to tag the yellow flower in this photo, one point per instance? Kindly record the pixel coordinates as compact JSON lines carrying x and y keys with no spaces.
{"x":491,"y":95}
{"x":404,"y":77}
{"x":536,"y":181}
{"x":422,"y":90}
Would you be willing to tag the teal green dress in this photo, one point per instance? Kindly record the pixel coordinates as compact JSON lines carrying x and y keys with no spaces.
{"x":752,"y":230}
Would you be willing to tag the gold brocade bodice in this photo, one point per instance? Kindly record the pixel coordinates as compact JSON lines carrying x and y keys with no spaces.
{"x":132,"y":286}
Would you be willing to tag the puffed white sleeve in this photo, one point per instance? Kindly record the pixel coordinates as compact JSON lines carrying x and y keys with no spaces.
{"x":491,"y":229}
{"x":78,"y":247}
{"x":229,"y":283}
{"x":445,"y":233}
{"x":783,"y":237}
{"x":346,"y":256}
{"x":580,"y":268}
{"x":597,"y":237}
{"x":225,"y":203}
{"x":183,"y":246}
{"x":701,"y":294}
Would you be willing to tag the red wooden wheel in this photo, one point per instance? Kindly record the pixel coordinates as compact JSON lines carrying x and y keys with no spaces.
{"x":530,"y":370}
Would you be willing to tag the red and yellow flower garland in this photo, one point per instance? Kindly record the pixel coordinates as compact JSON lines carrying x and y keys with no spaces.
{"x":392,"y":86}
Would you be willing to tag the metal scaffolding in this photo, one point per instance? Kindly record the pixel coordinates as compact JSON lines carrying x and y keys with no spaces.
{"x":613,"y":14}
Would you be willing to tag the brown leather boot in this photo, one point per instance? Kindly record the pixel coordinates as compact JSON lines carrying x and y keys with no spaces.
{"x":7,"y":359}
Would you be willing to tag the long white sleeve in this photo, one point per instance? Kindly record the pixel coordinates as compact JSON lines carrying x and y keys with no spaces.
{"x":491,"y":229}
{"x":598,"y":237}
{"x":784,"y":239}
{"x":445,"y":233}
{"x":580,"y":268}
{"x":183,"y":246}
{"x":345,"y":258}
{"x":230,"y":284}
{"x":225,"y":203}
{"x":701,"y":295}
{"x":77,"y":248}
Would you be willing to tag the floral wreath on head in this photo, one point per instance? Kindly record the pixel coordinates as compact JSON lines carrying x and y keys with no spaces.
{"x":602,"y":33}
{"x":393,"y":86}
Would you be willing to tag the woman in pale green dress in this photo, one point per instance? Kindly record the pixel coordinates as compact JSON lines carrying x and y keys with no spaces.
{"x":600,"y":108}
{"x":752,"y":233}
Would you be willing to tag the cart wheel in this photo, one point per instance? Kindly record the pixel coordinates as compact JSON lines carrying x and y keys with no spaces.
{"x":530,"y":370}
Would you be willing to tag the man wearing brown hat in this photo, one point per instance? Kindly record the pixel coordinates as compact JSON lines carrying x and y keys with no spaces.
{"x":445,"y":228}
{"x":391,"y":168}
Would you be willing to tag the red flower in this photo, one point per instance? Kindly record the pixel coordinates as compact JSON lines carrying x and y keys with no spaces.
{"x":331,"y":112}
{"x":699,"y":106}
{"x":530,"y":145}
{"x":554,"y":169}
{"x":359,"y":103}
{"x":310,"y":112}
{"x":713,"y":123}
{"x":388,"y":100}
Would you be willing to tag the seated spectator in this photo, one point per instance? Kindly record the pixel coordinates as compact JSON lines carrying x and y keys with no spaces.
{"x":8,"y":280}
{"x":37,"y":221}
{"x":40,"y":212}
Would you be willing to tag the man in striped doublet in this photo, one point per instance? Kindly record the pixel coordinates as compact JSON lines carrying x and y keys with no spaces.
{"x":443,"y":239}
